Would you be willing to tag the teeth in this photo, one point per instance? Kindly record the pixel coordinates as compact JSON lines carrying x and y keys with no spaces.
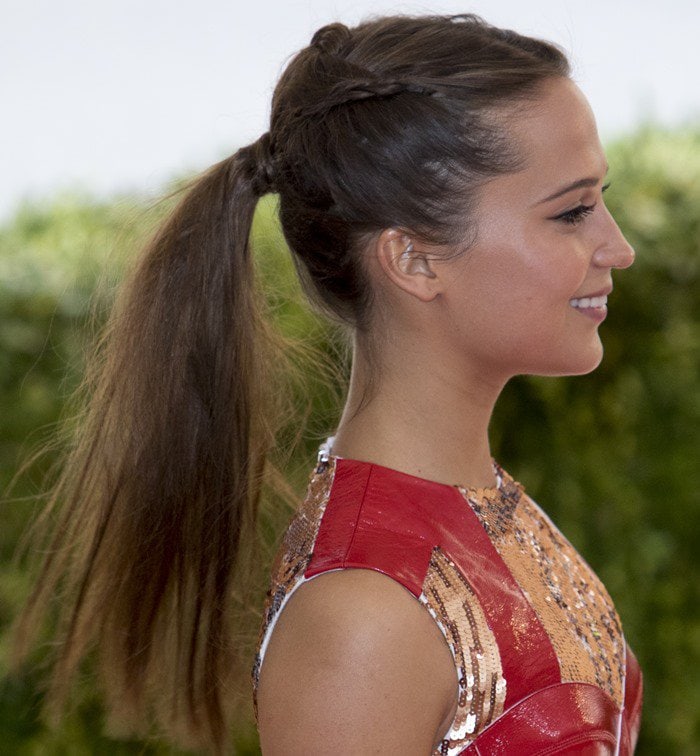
{"x":586,"y":302}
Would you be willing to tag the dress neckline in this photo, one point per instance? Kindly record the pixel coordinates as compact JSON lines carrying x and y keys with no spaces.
{"x":505,"y":485}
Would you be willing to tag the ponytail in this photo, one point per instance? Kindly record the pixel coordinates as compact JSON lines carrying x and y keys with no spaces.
{"x":160,"y":492}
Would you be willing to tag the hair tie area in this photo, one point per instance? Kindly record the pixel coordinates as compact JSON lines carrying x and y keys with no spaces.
{"x":260,"y":159}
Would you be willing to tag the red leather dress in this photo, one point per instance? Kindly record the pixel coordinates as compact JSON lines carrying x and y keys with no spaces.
{"x":541,"y":662}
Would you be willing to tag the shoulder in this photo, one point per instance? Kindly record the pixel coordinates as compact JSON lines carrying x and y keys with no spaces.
{"x":355,"y":665}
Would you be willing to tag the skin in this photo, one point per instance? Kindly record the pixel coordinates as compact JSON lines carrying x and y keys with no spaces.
{"x":355,"y":665}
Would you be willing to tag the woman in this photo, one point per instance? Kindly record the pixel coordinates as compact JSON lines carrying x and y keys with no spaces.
{"x":440,"y":185}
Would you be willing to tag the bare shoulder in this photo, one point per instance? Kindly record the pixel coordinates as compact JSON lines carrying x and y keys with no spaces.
{"x":355,"y":665}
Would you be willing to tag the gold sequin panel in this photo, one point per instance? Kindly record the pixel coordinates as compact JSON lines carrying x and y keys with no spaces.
{"x":481,"y":686}
{"x":569,"y":599}
{"x":294,"y":555}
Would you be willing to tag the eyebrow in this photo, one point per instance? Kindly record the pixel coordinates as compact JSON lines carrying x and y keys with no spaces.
{"x":581,"y":183}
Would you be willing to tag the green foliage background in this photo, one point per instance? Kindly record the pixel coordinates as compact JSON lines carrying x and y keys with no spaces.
{"x":612,"y":456}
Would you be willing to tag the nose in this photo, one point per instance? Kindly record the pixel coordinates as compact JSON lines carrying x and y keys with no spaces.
{"x":613,"y":251}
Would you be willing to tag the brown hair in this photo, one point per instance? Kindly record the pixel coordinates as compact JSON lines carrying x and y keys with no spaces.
{"x":390,"y":123}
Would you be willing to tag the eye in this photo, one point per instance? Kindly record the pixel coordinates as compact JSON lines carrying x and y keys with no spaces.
{"x":577,"y":214}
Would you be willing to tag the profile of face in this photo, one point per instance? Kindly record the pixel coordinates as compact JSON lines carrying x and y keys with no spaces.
{"x":529,"y":295}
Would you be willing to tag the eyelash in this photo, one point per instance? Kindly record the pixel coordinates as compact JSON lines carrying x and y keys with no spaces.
{"x":577,"y":214}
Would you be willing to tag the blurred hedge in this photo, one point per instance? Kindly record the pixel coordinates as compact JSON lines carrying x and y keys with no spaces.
{"x":611,"y":456}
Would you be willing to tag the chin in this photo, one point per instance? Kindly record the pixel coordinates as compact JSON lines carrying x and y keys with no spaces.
{"x":582,"y":367}
{"x":579,"y":364}
{"x":595,"y":358}
{"x":585,"y":370}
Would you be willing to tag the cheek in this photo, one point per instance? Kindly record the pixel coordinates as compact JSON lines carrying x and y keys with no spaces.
{"x":557,"y":282}
{"x":555,"y":264}
{"x":519,"y":302}
{"x":534,"y":277}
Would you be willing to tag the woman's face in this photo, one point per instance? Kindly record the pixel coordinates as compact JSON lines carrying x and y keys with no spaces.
{"x":530,"y":294}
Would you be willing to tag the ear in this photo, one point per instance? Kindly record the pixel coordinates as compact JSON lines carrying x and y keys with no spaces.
{"x":406,"y":263}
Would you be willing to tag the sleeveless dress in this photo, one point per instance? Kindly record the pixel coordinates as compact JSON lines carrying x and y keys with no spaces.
{"x":540,"y":658}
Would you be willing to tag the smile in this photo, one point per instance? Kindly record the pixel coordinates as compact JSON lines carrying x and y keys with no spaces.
{"x":589,"y":302}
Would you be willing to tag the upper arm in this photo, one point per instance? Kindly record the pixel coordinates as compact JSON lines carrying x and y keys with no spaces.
{"x":355,"y":665}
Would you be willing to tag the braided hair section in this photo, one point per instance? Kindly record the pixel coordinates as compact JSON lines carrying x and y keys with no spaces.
{"x":357,"y":90}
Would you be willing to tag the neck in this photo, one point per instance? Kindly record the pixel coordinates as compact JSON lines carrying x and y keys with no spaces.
{"x":424,"y":417}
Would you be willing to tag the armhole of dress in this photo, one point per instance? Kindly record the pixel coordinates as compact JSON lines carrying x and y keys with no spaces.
{"x":480,"y":696}
{"x":452,"y":733}
{"x":456,"y":730}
